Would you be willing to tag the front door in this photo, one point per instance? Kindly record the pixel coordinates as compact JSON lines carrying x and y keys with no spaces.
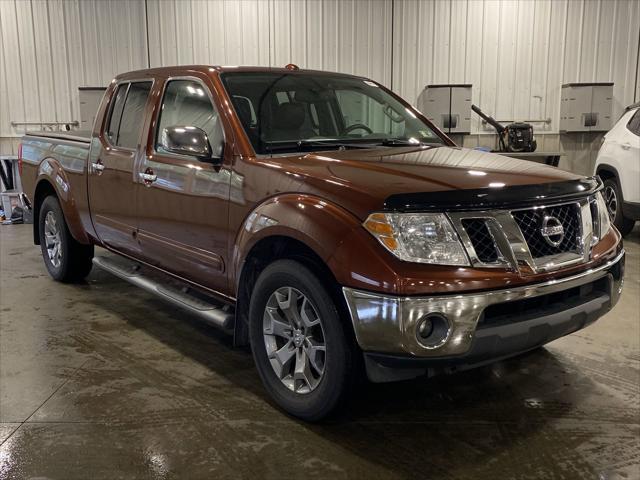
{"x":112,"y":175}
{"x":182,"y":202}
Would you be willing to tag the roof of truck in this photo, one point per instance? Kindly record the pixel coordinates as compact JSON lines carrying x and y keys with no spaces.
{"x":181,"y":69}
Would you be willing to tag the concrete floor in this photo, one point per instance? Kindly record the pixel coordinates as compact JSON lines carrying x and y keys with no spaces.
{"x":104,"y":381}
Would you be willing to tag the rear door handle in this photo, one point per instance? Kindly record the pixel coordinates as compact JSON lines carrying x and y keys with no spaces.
{"x":97,"y":167}
{"x":626,"y":146}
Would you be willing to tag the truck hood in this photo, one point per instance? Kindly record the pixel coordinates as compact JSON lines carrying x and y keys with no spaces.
{"x":418,"y":178}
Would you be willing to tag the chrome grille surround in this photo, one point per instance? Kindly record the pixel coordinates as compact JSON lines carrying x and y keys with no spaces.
{"x":482,"y":240}
{"x":514,"y":250}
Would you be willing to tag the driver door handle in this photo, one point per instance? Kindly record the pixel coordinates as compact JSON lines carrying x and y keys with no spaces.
{"x":626,"y":146}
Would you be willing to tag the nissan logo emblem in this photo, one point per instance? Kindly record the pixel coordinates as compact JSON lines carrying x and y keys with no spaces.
{"x":552,"y":230}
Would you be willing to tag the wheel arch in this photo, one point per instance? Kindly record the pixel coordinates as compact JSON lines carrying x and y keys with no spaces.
{"x":298,"y":227}
{"x":267,"y":251}
{"x":605,"y":171}
{"x":44,"y":188}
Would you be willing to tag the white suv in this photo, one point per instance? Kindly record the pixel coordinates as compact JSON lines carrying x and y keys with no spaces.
{"x":618,"y":164}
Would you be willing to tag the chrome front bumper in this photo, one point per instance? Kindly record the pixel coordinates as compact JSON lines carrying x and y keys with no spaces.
{"x":386,"y":324}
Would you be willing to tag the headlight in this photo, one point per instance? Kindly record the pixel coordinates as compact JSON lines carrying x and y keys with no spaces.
{"x":599,"y":217}
{"x":418,"y":237}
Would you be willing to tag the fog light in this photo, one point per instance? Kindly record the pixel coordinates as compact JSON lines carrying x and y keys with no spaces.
{"x":432,"y":330}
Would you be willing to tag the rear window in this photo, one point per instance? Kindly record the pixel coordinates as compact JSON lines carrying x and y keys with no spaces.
{"x":634,"y":123}
{"x":127,"y":114}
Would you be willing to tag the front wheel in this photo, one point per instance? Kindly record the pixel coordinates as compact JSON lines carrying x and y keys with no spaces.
{"x":66,"y":259}
{"x":300,"y":346}
{"x":613,"y":199}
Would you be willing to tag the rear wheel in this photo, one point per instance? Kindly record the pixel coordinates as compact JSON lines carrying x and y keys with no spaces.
{"x":66,"y":259}
{"x":302,"y":352}
{"x":613,"y":199}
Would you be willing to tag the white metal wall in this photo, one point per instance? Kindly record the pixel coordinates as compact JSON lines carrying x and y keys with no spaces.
{"x":516,"y":53}
{"x":50,"y":48}
{"x":346,"y":36}
{"x":220,"y":32}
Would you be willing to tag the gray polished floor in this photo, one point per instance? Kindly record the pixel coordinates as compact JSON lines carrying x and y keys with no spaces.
{"x":103,"y":381}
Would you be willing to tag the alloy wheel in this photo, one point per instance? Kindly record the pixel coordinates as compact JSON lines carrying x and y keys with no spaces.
{"x":294,"y":340}
{"x":611,"y":200}
{"x":52,"y":239}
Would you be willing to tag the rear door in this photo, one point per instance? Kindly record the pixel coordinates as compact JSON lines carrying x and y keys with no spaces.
{"x":183,"y":212}
{"x":112,"y":176}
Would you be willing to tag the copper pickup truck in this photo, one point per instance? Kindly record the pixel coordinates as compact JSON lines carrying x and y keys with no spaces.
{"x":325,"y":222}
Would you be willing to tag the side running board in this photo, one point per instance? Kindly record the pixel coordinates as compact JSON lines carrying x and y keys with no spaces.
{"x":205,"y":308}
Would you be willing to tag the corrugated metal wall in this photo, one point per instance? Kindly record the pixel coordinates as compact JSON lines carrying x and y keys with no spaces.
{"x":50,"y":48}
{"x":348,"y":36}
{"x":222,"y":32}
{"x":517,"y":53}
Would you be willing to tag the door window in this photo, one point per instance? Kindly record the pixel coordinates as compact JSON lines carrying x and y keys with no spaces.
{"x":133,"y":115}
{"x":127,"y":114}
{"x":186,"y":104}
{"x":116,"y":113}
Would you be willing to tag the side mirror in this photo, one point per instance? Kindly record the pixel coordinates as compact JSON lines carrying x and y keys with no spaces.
{"x":187,"y":140}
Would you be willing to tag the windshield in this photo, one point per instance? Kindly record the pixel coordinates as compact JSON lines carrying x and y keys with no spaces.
{"x":284,"y":112}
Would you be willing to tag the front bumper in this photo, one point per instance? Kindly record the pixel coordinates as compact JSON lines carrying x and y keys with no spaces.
{"x":482,"y":326}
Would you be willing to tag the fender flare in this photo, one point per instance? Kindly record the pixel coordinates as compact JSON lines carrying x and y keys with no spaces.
{"x":50,"y":171}
{"x":319,"y":224}
{"x":608,"y":168}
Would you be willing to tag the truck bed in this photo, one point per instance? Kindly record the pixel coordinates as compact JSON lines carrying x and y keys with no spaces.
{"x":59,"y":159}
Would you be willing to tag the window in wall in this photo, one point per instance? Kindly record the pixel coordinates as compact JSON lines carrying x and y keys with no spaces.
{"x":186,"y":103}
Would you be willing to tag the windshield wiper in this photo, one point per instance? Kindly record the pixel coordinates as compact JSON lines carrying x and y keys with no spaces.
{"x":403,"y":142}
{"x":332,"y":143}
{"x":303,"y":145}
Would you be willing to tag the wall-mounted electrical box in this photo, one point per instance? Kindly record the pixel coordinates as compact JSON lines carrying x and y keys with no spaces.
{"x":90,"y":98}
{"x":586,"y":107}
{"x":447,"y":106}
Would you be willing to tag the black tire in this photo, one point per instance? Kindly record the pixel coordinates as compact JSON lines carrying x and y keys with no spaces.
{"x":340,"y":363}
{"x":74,"y":262}
{"x":624,"y":225}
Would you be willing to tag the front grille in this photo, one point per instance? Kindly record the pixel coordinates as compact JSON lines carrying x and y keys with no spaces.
{"x":530,"y":223}
{"x":481,"y":239}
